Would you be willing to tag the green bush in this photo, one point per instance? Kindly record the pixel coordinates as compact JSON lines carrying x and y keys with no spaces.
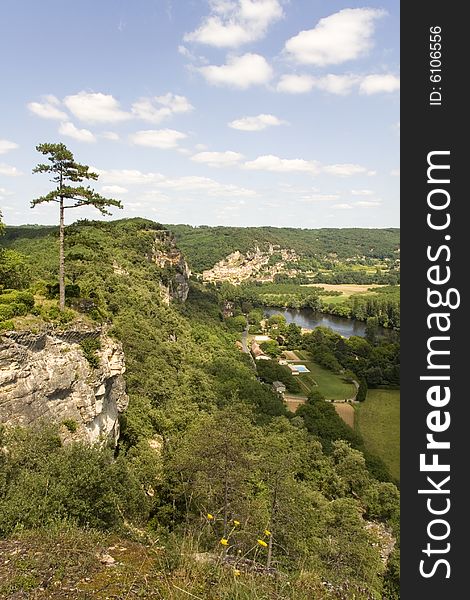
{"x":71,"y":425}
{"x":44,"y":481}
{"x":89,"y":347}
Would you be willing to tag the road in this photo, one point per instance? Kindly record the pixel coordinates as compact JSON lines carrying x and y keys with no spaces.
{"x":245,"y":345}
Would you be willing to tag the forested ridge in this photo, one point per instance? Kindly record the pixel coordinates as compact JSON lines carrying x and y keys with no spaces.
{"x":242,"y":498}
{"x":204,"y":245}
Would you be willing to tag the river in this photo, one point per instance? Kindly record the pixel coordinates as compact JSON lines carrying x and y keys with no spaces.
{"x":309,"y":319}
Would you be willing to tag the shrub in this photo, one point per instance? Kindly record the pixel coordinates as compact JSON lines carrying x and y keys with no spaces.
{"x":89,"y":347}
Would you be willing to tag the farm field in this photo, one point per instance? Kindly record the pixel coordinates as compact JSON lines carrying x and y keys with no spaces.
{"x":330,"y":385}
{"x":347,"y":289}
{"x":378,"y":421}
{"x":346,"y":412}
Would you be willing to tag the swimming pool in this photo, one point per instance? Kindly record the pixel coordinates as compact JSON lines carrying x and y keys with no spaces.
{"x":301,"y":369}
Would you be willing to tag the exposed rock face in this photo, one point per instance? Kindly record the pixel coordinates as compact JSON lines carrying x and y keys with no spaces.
{"x":47,"y":377}
{"x":255,"y":264}
{"x":167,"y":256}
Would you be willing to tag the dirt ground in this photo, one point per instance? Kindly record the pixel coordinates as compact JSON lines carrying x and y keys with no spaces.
{"x":293,"y":402}
{"x":346,"y":412}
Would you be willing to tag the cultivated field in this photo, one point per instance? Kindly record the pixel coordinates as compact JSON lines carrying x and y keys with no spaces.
{"x":347,"y":289}
{"x":346,"y":412}
{"x":378,"y":421}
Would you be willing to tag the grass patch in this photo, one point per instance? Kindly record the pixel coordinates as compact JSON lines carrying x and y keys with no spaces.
{"x":378,"y":421}
{"x":330,"y":385}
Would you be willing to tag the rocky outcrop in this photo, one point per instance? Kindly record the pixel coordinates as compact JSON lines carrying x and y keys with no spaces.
{"x":255,"y":264}
{"x":175,"y":280}
{"x":46,"y":377}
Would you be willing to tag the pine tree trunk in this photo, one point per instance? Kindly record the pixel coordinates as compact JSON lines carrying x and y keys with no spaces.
{"x":61,"y":258}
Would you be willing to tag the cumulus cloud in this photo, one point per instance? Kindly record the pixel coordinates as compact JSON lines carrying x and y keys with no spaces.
{"x":377,"y":84}
{"x":156,"y":182}
{"x":81,"y":135}
{"x":158,"y":108}
{"x":126,"y":176}
{"x":218,"y":159}
{"x":110,"y":135}
{"x":340,"y":37}
{"x":239,"y":72}
{"x":157,"y":138}
{"x":274,"y":163}
{"x":6,"y":146}
{"x":345,"y":169}
{"x":206,"y":185}
{"x":231,"y":24}
{"x":114,"y":189}
{"x":49,"y":108}
{"x":295,"y":84}
{"x":339,"y":84}
{"x":270,"y":162}
{"x":95,"y":107}
{"x":367,"y":203}
{"x":257,"y":123}
{"x":362,"y":192}
{"x":9,"y":170}
{"x":319,"y":197}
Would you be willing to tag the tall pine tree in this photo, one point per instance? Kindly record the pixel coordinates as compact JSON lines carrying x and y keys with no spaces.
{"x":66,"y":172}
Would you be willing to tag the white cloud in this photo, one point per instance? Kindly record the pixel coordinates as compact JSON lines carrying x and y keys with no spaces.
{"x":110,"y":135}
{"x":295,"y":84}
{"x":177,"y":104}
{"x":95,"y":108}
{"x":319,"y":197}
{"x":205,"y":185}
{"x":81,"y":135}
{"x":239,"y":72}
{"x":158,"y":108}
{"x":274,"y":163}
{"x":157,"y":138}
{"x":269,"y":162}
{"x":232,"y":24}
{"x":362,"y":192}
{"x":342,"y":36}
{"x":48,"y":109}
{"x":395,"y":172}
{"x":9,"y":171}
{"x":218,"y":159}
{"x":342,"y":206}
{"x":114,"y":189}
{"x":376,"y":84}
{"x":126,"y":176}
{"x":367,"y":203}
{"x":339,"y":84}
{"x":256,"y":123}
{"x":345,"y":169}
{"x":6,"y":146}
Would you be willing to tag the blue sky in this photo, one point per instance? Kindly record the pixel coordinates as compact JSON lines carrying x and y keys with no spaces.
{"x":221,"y":112}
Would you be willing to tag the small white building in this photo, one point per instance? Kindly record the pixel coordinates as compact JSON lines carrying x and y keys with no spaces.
{"x":279,"y":387}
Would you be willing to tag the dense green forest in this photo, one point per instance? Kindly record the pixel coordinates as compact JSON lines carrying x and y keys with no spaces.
{"x":204,"y":246}
{"x":280,"y":505}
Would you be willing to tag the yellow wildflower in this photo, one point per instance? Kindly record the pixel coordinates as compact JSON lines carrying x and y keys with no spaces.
{"x":262,"y":543}
{"x":224,"y":541}
{"x":236,"y":572}
{"x":267,"y":532}
{"x":209,"y":516}
{"x":236,"y":523}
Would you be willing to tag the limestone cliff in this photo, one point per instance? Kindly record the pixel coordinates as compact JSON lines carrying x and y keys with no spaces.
{"x":47,"y":377}
{"x":175,"y":281}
